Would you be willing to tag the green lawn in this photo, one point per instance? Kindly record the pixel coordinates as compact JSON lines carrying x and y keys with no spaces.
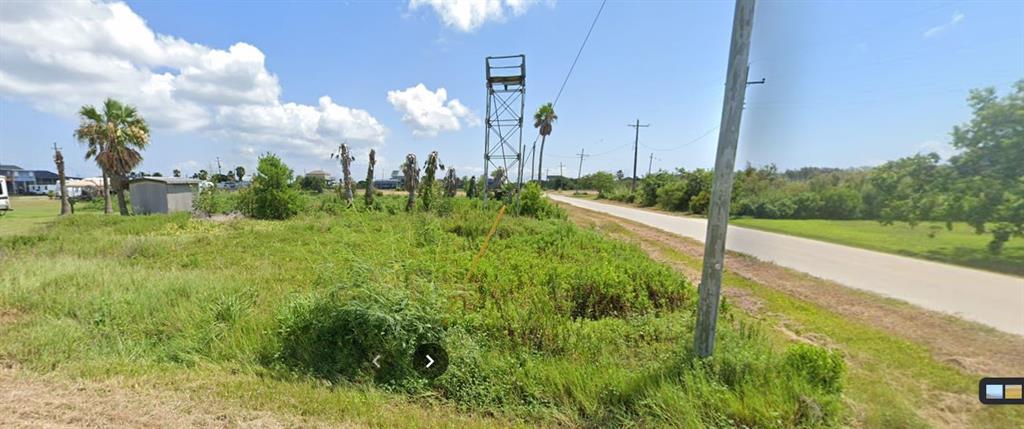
{"x":28,"y":213}
{"x":961,"y":246}
{"x":566,"y":328}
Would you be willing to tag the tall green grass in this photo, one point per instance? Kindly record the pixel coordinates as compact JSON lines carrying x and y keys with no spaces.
{"x":558,"y":325}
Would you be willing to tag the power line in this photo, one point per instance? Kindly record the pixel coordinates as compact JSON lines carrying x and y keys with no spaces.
{"x":701,"y":137}
{"x":578,"y":53}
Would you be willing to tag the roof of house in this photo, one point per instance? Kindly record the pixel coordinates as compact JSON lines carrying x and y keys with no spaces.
{"x":44,"y":175}
{"x":9,"y":167}
{"x":167,"y":180}
{"x":318,"y":173}
{"x":92,"y":182}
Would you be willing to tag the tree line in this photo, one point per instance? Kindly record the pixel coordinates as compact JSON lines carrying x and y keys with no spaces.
{"x":981,"y":185}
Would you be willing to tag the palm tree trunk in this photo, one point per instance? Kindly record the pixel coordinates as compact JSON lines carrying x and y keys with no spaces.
{"x":533,"y":159}
{"x":107,"y":208}
{"x":540,"y":160}
{"x":122,"y":205}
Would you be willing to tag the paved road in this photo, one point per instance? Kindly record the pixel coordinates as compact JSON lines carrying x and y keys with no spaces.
{"x":996,"y":300}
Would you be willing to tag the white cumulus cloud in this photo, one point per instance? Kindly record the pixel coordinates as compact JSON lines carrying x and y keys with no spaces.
{"x":59,"y":56}
{"x":430,"y":112}
{"x":467,"y":15}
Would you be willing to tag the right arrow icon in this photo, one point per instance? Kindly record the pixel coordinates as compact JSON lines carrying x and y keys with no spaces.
{"x":430,"y":361}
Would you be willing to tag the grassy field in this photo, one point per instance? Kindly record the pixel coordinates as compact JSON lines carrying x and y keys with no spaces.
{"x":568,"y":328}
{"x":929,"y":240}
{"x":29,"y":213}
{"x":892,"y":382}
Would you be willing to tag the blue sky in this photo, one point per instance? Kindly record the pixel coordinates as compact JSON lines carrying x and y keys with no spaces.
{"x":848,"y":83}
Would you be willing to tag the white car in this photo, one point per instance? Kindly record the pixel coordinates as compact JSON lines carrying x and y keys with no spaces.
{"x":5,"y":200}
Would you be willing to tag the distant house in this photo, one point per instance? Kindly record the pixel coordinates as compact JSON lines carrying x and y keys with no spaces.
{"x":162,"y":194}
{"x":319,"y":174}
{"x":30,"y":182}
{"x":91,"y":186}
{"x":387,"y":184}
{"x":45,"y":182}
{"x":18,"y":179}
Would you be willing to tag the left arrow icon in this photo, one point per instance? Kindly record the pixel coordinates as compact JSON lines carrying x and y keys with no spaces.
{"x":375,"y":361}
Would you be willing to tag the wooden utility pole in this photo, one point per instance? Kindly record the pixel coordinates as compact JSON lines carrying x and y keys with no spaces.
{"x":636,"y":145}
{"x":58,"y":158}
{"x":579,"y":173}
{"x":721,"y":188}
{"x":651,"y":163}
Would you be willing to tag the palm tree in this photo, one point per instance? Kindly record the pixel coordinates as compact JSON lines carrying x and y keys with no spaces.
{"x":543,"y":121}
{"x":113,"y":139}
{"x":176,"y":172}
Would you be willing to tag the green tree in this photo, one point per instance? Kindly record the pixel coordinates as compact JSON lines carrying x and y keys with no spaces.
{"x":543,"y":121}
{"x":312,"y":183}
{"x":601,"y":181}
{"x":909,"y":189}
{"x":176,"y":172}
{"x":113,"y":139}
{"x":239,"y":172}
{"x":272,"y":195}
{"x":990,"y":166}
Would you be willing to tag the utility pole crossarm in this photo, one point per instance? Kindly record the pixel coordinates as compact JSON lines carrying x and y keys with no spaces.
{"x":721,"y":188}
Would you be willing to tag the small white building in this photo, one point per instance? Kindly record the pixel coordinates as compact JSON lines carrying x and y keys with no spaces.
{"x":92,"y":186}
{"x":162,"y":194}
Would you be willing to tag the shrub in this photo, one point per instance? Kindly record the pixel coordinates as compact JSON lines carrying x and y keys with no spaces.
{"x":533,"y":203}
{"x":649,"y":188}
{"x":699,"y":203}
{"x":336,"y":334}
{"x":819,"y":366}
{"x":215,"y":201}
{"x":271,"y":195}
{"x":312,"y":183}
{"x":602,"y":182}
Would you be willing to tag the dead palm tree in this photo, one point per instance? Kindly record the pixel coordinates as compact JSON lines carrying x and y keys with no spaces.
{"x":543,"y":121}
{"x":113,"y":139}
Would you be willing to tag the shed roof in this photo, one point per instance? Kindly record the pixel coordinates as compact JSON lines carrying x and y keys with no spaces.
{"x":167,"y":180}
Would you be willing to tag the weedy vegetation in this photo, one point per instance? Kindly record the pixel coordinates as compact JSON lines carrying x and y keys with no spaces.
{"x":557,"y":326}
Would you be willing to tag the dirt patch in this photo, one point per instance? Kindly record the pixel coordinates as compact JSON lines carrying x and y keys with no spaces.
{"x":973,"y":348}
{"x":8,"y":316}
{"x":28,"y":400}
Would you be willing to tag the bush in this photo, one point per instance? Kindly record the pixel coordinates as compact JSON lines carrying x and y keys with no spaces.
{"x":602,"y":182}
{"x":649,"y":188}
{"x":335,"y":335}
{"x":699,"y":203}
{"x":533,"y":203}
{"x":819,"y":366}
{"x":271,"y":195}
{"x":215,"y":201}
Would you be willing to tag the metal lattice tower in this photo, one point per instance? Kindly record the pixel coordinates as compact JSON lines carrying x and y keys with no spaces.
{"x":503,"y":138}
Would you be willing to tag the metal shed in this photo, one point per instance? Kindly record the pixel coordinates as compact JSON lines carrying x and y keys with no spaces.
{"x":162,"y":194}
